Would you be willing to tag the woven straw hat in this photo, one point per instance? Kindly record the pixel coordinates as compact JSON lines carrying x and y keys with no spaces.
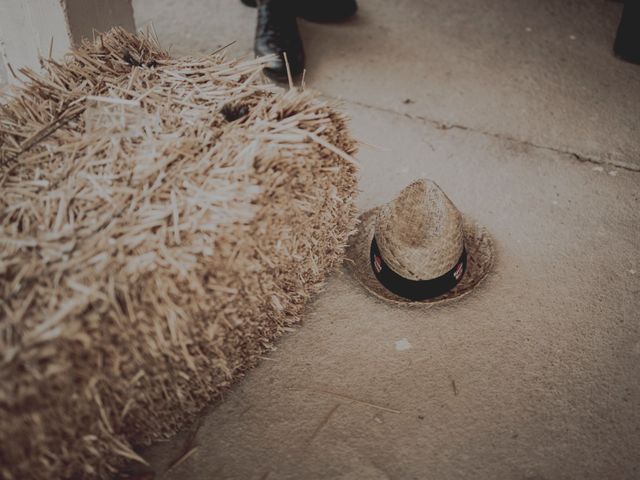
{"x":419,"y":249}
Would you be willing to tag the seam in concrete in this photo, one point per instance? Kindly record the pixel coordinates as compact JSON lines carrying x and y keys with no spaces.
{"x":65,"y":12}
{"x":4,"y":70}
{"x":501,"y":136}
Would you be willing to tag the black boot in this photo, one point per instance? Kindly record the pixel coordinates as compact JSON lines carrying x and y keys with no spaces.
{"x":627,"y":44}
{"x":277,"y":33}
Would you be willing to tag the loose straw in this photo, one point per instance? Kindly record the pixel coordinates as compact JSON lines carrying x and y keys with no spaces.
{"x":162,"y":221}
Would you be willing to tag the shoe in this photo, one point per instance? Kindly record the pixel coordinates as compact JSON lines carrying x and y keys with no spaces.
{"x":277,"y":33}
{"x":323,"y":11}
{"x":627,"y":43}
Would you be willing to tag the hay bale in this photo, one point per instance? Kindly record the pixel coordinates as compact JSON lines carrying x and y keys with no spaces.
{"x":161,"y":222}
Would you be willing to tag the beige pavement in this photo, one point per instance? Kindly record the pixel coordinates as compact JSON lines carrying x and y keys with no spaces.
{"x":537,"y":374}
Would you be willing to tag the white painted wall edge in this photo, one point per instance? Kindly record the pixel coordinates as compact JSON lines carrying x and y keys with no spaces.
{"x":30,"y":29}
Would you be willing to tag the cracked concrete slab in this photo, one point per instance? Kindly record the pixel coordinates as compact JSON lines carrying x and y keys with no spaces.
{"x":542,"y":72}
{"x":534,"y":376}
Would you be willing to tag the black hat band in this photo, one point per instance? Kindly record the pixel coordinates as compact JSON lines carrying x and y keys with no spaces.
{"x":416,"y":289}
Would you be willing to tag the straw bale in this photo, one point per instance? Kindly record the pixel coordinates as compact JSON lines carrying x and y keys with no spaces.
{"x":161,"y":221}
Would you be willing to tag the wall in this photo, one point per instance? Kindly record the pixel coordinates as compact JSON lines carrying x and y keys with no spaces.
{"x":30,"y":28}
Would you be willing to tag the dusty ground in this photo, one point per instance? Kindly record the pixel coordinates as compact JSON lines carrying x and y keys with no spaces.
{"x":521,"y":113}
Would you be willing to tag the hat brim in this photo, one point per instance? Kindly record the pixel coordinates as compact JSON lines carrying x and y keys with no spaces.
{"x":480,"y":258}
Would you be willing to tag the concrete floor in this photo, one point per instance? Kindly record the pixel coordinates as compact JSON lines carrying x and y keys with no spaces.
{"x":521,"y":113}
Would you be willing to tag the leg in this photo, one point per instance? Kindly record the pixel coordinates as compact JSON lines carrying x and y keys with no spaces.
{"x":627,"y":44}
{"x":320,"y":10}
{"x":327,"y":10}
{"x":277,"y":33}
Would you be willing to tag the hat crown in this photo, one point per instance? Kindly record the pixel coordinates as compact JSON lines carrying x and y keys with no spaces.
{"x":420,"y":233}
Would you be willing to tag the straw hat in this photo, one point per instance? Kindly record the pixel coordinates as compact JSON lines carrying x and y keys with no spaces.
{"x":419,"y":249}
